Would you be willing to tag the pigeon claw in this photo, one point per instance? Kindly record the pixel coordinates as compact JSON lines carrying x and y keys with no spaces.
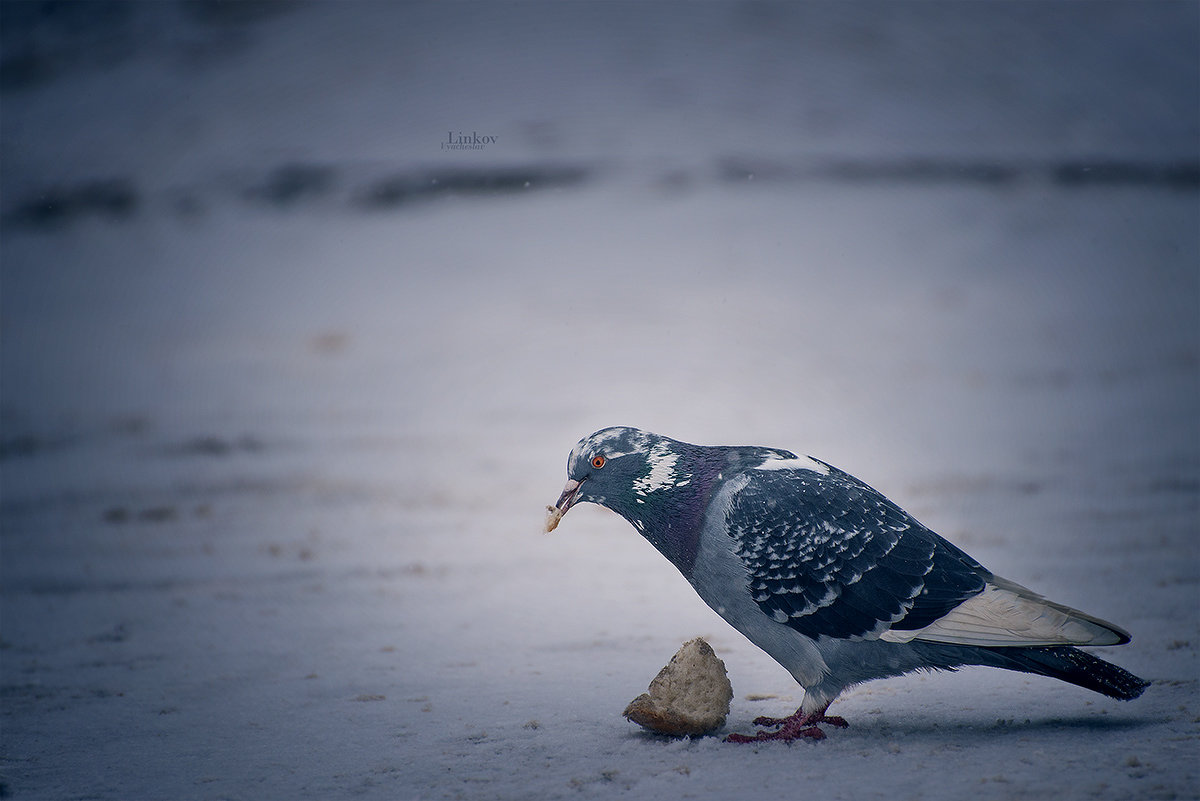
{"x":812,"y":732}
{"x":791,"y":728}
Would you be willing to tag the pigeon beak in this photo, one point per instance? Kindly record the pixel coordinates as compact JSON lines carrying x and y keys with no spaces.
{"x":569,"y":495}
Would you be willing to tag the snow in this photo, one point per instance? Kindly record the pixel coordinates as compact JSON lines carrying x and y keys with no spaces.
{"x":280,"y":415}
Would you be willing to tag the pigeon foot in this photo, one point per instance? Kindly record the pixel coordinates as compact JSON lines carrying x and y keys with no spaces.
{"x":791,"y":728}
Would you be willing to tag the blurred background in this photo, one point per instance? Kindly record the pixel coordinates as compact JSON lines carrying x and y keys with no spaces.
{"x":303,"y":304}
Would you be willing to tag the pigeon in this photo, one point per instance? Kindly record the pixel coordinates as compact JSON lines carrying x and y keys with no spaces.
{"x":826,"y":575}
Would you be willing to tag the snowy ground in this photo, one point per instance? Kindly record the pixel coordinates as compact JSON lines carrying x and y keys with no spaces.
{"x":286,"y":386}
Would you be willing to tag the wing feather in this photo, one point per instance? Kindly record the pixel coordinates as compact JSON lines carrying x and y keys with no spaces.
{"x":828,"y":555}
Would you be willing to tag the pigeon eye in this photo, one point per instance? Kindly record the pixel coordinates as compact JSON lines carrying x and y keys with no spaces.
{"x":598,"y":462}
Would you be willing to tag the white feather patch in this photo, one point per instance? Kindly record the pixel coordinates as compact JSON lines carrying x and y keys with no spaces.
{"x":1006,"y":614}
{"x":599,"y":443}
{"x":799,"y":463}
{"x":662,"y":470}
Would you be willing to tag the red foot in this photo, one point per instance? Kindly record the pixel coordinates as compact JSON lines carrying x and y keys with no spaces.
{"x":793,"y":727}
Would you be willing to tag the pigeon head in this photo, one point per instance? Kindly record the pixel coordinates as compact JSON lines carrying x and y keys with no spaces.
{"x":646,"y":478}
{"x":602,"y":468}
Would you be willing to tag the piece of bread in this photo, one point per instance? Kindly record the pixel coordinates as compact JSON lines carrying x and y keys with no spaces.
{"x":688,"y":697}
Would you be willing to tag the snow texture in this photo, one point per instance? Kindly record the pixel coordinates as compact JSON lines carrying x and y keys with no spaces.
{"x":289,"y":373}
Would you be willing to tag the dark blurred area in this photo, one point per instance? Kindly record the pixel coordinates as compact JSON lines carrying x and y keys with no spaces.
{"x":44,"y":40}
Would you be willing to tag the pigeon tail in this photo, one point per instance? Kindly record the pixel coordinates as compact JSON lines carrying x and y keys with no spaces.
{"x":1071,"y":665}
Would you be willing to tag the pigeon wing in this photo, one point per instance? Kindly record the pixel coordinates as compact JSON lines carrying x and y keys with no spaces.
{"x":828,"y":555}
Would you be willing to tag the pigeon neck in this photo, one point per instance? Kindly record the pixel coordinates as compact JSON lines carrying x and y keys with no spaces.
{"x":670,"y":517}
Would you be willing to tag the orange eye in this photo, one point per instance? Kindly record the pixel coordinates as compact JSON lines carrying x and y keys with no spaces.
{"x":598,"y":462}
